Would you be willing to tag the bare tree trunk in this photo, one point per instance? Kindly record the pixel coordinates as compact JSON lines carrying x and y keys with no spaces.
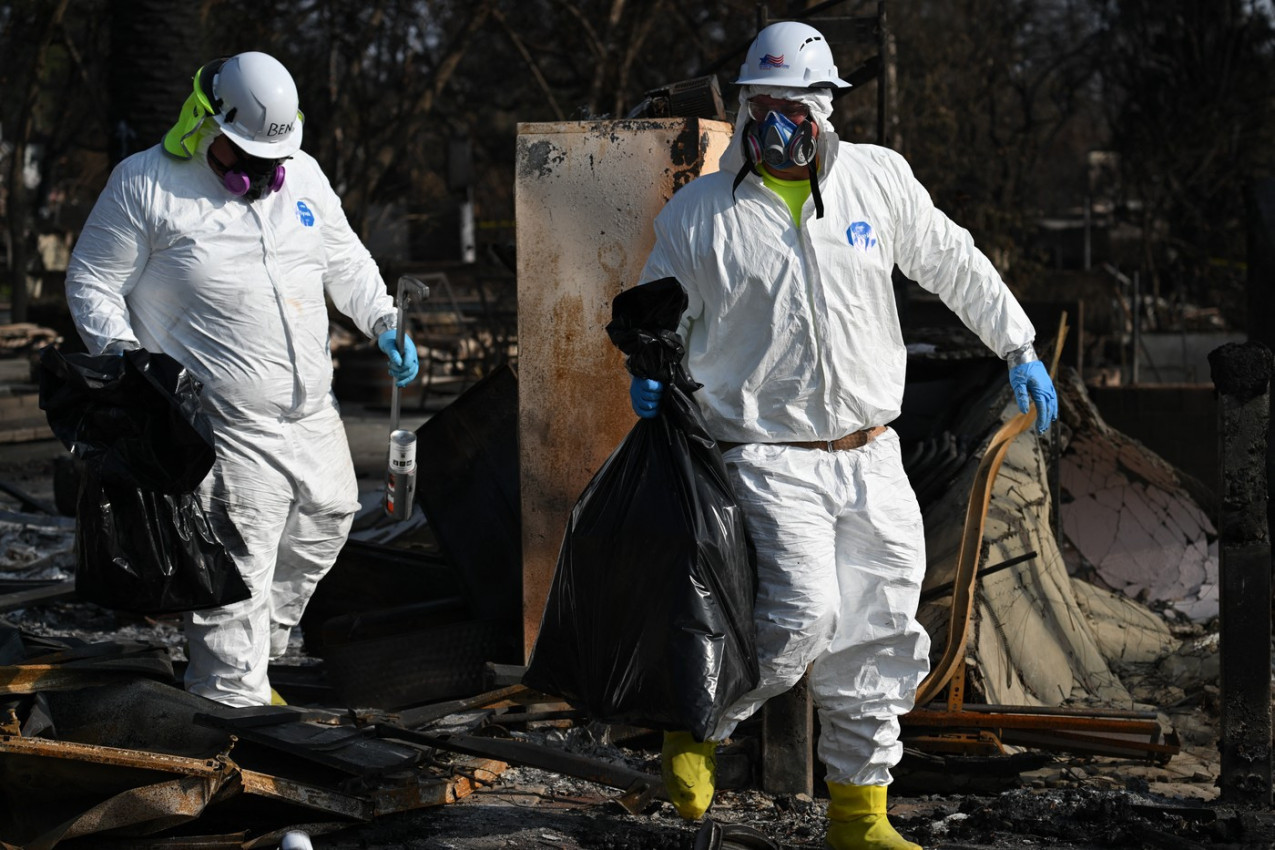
{"x":636,"y":41}
{"x":383,"y":151}
{"x":19,"y":201}
{"x":609,"y":50}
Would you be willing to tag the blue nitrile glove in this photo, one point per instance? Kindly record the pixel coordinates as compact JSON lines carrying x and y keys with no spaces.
{"x":403,"y":366}
{"x":1031,"y":380}
{"x":645,"y":395}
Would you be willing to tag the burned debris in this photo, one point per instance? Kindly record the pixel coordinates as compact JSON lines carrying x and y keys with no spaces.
{"x":406,"y":691}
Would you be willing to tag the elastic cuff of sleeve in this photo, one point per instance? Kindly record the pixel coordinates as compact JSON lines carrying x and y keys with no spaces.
{"x":119,"y":346}
{"x":388,"y":322}
{"x":1019,"y":356}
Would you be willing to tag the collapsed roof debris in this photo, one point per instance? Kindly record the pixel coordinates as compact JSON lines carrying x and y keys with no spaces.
{"x":1131,"y":521}
{"x":95,"y":748}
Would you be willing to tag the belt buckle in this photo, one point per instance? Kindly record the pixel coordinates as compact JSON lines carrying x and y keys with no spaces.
{"x":829,"y":446}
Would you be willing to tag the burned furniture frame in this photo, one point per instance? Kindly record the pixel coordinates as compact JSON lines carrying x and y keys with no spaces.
{"x":985,"y":729}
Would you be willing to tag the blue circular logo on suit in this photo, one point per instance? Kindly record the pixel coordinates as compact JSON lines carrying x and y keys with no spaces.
{"x":859,"y":234}
{"x":304,"y":214}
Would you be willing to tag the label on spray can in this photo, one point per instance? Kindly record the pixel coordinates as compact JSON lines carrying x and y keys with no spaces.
{"x":400,"y":488}
{"x":402,"y":451}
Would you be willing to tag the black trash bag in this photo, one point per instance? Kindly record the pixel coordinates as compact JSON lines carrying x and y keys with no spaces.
{"x":143,"y":543}
{"x":149,"y":552}
{"x":136,"y":417}
{"x":649,"y":619}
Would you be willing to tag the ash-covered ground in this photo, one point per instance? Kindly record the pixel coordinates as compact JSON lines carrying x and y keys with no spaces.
{"x":1075,"y":803}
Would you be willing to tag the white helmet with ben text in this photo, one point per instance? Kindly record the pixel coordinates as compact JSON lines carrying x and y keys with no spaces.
{"x":254,"y":100}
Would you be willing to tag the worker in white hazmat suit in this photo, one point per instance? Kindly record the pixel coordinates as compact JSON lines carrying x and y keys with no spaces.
{"x":217,"y":248}
{"x":786,"y":256}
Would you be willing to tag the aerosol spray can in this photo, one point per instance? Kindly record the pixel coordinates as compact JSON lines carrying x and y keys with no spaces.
{"x":400,"y":486}
{"x":400,"y":480}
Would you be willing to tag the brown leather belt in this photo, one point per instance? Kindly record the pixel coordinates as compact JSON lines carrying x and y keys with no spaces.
{"x":857,"y":440}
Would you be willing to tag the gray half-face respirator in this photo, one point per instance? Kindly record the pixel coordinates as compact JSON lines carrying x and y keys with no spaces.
{"x":780,"y":142}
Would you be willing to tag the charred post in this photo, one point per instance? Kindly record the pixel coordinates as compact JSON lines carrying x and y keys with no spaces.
{"x":1241,"y":375}
{"x":787,"y":751}
{"x":1259,"y":209}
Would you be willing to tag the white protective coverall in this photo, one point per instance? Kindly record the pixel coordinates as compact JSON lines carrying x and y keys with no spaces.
{"x":794,"y":333}
{"x":234,"y":291}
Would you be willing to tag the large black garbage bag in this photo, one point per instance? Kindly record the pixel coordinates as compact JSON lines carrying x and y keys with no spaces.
{"x":649,"y":617}
{"x":148,"y":551}
{"x":143,"y":543}
{"x":136,"y":417}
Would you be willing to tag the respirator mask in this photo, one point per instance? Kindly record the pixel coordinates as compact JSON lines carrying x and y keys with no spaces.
{"x":785,"y":126}
{"x":250,"y":177}
{"x":778,"y":141}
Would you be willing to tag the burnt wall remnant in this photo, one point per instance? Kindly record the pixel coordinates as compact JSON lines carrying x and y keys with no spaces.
{"x":1242,"y":373}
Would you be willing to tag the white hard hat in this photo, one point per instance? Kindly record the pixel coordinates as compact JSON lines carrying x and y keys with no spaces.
{"x":254,"y":100}
{"x":790,"y":54}
{"x":295,"y":839}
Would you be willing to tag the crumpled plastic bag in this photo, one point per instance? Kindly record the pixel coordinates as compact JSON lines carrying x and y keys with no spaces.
{"x":649,"y":619}
{"x":143,"y":543}
{"x":136,"y":417}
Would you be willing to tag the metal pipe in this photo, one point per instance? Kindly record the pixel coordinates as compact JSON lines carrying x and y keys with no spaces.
{"x":941,"y":590}
{"x":1137,"y":323}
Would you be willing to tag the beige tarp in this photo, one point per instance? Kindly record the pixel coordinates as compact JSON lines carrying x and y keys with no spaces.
{"x":1038,"y":636}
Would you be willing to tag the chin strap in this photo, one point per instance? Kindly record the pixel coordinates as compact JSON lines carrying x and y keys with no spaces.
{"x":814,"y":189}
{"x":739,"y":177}
{"x":814,"y":184}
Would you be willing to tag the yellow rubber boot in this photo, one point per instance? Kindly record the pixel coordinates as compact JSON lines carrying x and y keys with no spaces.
{"x":690,"y":773}
{"x":857,"y":820}
{"x":276,"y":698}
